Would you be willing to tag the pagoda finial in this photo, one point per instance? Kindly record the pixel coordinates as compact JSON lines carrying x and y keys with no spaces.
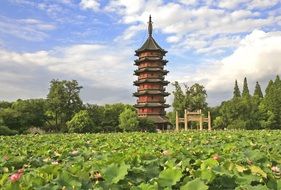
{"x":150,"y":26}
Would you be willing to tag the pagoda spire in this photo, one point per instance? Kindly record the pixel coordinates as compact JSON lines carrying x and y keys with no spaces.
{"x":150,"y":26}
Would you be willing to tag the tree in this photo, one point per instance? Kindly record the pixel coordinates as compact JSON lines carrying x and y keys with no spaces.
{"x":80,"y":123}
{"x":198,"y":96}
{"x":270,"y":84}
{"x":111,"y":120}
{"x":63,"y":102}
{"x":270,"y":106}
{"x":6,"y":131}
{"x":96,"y":112}
{"x":128,"y":120}
{"x":146,"y":124}
{"x":236,"y":92}
{"x":238,"y":113}
{"x":245,"y":92}
{"x":179,"y":99}
{"x":12,"y":119}
{"x":193,"y":98}
{"x":32,"y":112}
{"x":258,"y":92}
{"x":4,"y":104}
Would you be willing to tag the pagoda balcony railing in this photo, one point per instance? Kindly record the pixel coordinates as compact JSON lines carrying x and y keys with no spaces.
{"x":156,"y":77}
{"x":143,"y":89}
{"x":153,"y":113}
{"x":151,"y":101}
{"x":152,"y":66}
{"x":154,"y":56}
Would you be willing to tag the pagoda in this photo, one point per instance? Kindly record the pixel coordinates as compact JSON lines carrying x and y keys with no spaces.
{"x":151,"y":81}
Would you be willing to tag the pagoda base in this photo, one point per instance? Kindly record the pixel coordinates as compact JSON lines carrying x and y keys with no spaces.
{"x":161,"y":122}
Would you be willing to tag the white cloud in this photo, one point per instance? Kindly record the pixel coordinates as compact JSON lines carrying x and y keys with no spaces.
{"x":90,"y":4}
{"x":196,"y":25}
{"x":28,"y":29}
{"x":263,"y":4}
{"x":257,"y":58}
{"x":232,"y":4}
{"x":105,"y":71}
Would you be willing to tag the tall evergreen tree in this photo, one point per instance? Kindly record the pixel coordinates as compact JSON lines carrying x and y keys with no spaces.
{"x":271,"y":105}
{"x":245,"y":92}
{"x":277,"y":80}
{"x":179,"y":98}
{"x":258,"y":92}
{"x":270,"y":84}
{"x":236,"y":92}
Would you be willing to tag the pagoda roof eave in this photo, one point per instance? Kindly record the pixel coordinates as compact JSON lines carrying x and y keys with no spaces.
{"x":150,"y":45}
{"x":158,"y":119}
{"x":151,"y":81}
{"x":151,"y":70}
{"x":151,"y":92}
{"x":151,"y":105}
{"x":137,"y":61}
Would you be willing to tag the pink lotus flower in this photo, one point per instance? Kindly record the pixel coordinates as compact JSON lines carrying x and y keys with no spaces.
{"x":15,"y":177}
{"x":216,"y":157}
{"x":275,"y":169}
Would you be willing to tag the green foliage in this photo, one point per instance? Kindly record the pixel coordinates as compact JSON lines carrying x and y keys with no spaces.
{"x":169,"y":177}
{"x":258,"y":92}
{"x":248,"y":112}
{"x":96,"y":112}
{"x":80,"y":123}
{"x":179,"y":102}
{"x":239,"y":113}
{"x":195,"y":184}
{"x":146,"y":124}
{"x":245,"y":92}
{"x":269,"y":85}
{"x":114,"y":173}
{"x":63,"y":102}
{"x":11,"y":118}
{"x":6,"y":131}
{"x":24,"y":114}
{"x":111,"y":114}
{"x":4,"y":104}
{"x":128,"y":120}
{"x":270,"y":105}
{"x":236,"y":92}
{"x":192,"y":98}
{"x":172,"y":117}
{"x":198,"y":96}
{"x":143,"y":161}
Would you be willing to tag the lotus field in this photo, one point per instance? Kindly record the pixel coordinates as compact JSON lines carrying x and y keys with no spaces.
{"x":145,"y":161}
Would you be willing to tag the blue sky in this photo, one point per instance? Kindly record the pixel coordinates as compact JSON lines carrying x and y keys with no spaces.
{"x":210,"y":42}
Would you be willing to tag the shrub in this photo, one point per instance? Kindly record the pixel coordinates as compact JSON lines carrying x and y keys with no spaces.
{"x":146,"y":124}
{"x":80,"y":123}
{"x":128,"y":120}
{"x":6,"y":131}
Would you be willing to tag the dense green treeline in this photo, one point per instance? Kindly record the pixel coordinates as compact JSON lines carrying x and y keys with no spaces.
{"x":251,"y":111}
{"x":64,"y":111}
{"x":243,"y":111}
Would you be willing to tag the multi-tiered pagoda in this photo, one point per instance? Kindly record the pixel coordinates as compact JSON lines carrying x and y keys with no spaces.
{"x":151,"y":74}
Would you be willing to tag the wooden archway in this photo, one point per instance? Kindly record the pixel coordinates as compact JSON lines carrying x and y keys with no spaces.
{"x":193,"y":116}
